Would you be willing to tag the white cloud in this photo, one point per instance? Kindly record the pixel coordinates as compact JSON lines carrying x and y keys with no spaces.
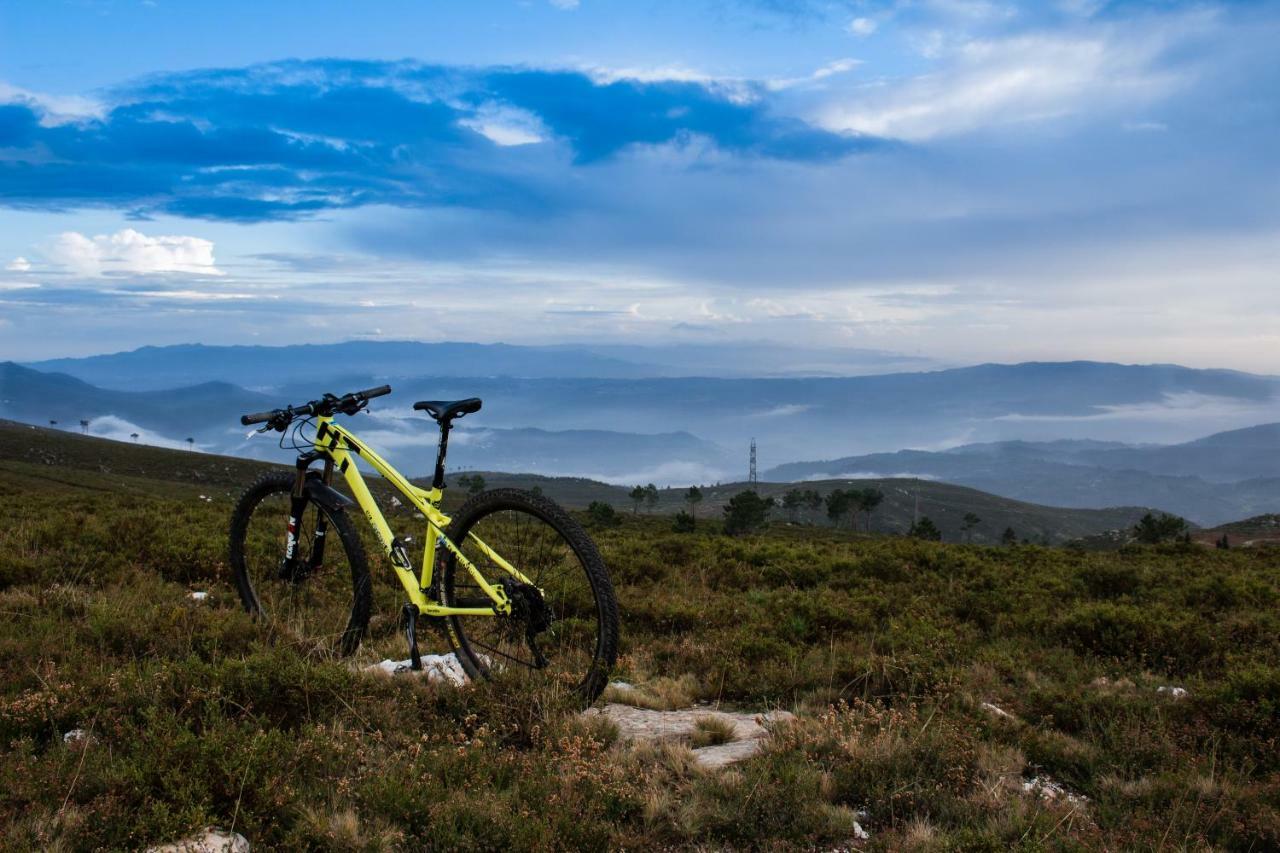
{"x":1144,"y":126}
{"x":783,"y":411}
{"x":565,"y":4}
{"x":1175,"y":408}
{"x":839,"y":66}
{"x":18,"y":264}
{"x":110,"y":426}
{"x":674,"y":474}
{"x":1031,"y":77}
{"x":831,"y":69}
{"x":867,"y":475}
{"x":506,"y":125}
{"x":54,"y":109}
{"x":862,"y":26}
{"x":188,"y":295}
{"x":131,"y":252}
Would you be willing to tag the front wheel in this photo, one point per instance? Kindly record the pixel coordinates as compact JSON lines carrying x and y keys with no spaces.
{"x":564,"y":625}
{"x":320,"y":601}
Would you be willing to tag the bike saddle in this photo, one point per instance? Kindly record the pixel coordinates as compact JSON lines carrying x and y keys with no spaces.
{"x":443,"y":411}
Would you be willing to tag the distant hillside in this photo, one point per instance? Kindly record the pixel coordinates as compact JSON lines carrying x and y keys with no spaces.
{"x":195,"y":410}
{"x":261,"y":366}
{"x":791,"y":417}
{"x":41,"y":458}
{"x":1209,"y":480}
{"x":943,"y":503}
{"x":209,"y":413}
{"x":1259,"y":530}
{"x":155,"y":367}
{"x":1224,"y":457}
{"x":410,"y":444}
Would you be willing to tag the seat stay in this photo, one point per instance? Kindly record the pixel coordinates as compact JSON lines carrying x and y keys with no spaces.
{"x":497,"y":558}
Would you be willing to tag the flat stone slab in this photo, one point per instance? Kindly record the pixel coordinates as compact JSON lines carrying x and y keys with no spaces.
{"x":644,"y":725}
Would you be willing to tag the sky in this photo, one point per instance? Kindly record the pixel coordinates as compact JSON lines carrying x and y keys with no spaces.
{"x":963,"y":180}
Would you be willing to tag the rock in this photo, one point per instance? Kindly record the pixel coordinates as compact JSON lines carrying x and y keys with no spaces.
{"x":198,"y":595}
{"x":75,"y":736}
{"x":642,"y":724}
{"x":211,"y":840}
{"x":1051,"y":791}
{"x":996,"y":711}
{"x":434,"y":668}
{"x":1172,"y":692}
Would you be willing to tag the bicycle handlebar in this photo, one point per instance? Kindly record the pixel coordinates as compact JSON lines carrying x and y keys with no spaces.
{"x":256,"y":418}
{"x":326,"y":405}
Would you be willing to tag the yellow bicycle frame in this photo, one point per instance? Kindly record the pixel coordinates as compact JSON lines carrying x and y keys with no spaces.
{"x":338,"y":447}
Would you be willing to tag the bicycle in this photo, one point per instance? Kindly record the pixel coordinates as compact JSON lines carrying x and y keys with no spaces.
{"x":546,"y":608}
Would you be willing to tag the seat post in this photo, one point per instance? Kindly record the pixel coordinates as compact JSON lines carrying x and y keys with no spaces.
{"x":437,"y":482}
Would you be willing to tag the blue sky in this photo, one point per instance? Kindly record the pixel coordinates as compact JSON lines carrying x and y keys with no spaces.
{"x":960,"y":179}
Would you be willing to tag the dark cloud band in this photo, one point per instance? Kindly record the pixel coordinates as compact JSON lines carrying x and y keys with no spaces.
{"x":286,"y":140}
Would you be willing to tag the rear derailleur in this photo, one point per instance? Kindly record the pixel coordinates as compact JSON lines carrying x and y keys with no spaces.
{"x":530,"y":608}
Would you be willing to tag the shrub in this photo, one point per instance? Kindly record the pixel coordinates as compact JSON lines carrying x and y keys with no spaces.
{"x":925,"y":529}
{"x":746,"y":512}
{"x":1152,"y":529}
{"x":601,"y":514}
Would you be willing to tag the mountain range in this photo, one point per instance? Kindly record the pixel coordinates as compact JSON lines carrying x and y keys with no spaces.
{"x":1225,"y":476}
{"x":1080,"y":434}
{"x":267,"y":367}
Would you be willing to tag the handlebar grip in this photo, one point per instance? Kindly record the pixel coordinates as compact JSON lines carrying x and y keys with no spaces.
{"x":257,"y":418}
{"x":380,"y":391}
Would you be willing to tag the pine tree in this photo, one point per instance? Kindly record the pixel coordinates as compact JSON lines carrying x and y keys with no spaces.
{"x":925,"y":529}
{"x":693,"y":497}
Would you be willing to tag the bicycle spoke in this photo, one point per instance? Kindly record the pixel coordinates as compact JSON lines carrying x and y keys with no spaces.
{"x":541,"y":553}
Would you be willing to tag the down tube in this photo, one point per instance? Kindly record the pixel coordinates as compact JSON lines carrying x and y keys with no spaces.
{"x":370,"y":508}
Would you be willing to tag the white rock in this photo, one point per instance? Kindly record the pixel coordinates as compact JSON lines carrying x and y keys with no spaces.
{"x":859,"y":833}
{"x":75,"y":736}
{"x":621,"y":685}
{"x":643,"y":724}
{"x":210,"y":840}
{"x":434,"y":668}
{"x":1172,"y":692}
{"x":724,"y":754}
{"x":996,"y":711}
{"x":198,"y":595}
{"x":1051,"y":791}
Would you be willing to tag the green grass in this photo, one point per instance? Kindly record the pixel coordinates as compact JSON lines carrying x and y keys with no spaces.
{"x":885,"y":647}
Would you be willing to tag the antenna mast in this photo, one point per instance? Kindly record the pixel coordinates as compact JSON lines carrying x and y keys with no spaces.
{"x":751,"y":474}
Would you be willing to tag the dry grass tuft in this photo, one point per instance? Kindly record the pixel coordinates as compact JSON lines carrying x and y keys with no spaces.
{"x":712,"y":730}
{"x":656,"y":694}
{"x":342,"y":828}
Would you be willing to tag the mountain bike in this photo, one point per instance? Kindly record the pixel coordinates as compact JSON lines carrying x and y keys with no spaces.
{"x":513,"y":581}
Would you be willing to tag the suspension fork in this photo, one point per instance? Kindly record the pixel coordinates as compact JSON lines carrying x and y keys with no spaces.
{"x":289,"y":568}
{"x":322,"y":523}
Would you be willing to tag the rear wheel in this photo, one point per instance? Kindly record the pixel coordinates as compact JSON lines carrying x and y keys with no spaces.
{"x":564,"y":627}
{"x":322,"y":606}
